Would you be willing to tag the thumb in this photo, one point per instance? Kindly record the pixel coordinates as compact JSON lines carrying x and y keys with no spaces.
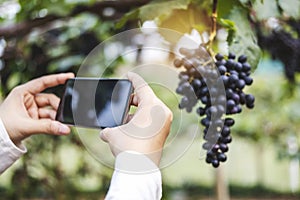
{"x":105,"y":134}
{"x":47,"y":126}
{"x":112,"y":134}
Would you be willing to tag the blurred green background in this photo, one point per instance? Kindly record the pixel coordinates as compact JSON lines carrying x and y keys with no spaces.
{"x":44,"y":37}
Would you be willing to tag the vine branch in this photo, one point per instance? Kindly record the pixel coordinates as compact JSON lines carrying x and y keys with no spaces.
{"x":213,"y":31}
{"x":214,"y":16}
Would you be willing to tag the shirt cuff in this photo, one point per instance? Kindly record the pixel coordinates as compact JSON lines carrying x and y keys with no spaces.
{"x":134,"y":163}
{"x":135,"y":177}
{"x":9,"y":152}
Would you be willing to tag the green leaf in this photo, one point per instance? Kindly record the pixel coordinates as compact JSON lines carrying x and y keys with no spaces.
{"x":59,"y":9}
{"x":134,"y":14}
{"x":225,"y":7}
{"x":290,"y":7}
{"x":154,"y":11}
{"x":160,"y":10}
{"x":200,"y":27}
{"x":184,"y":20}
{"x":266,"y":9}
{"x":231,"y":29}
{"x":245,"y":40}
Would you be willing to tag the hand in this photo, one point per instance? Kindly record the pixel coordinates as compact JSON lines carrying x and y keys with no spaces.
{"x":147,"y":129}
{"x":26,"y":111}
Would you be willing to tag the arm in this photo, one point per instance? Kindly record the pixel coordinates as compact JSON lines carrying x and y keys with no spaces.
{"x":138,"y":146}
{"x":27,"y":111}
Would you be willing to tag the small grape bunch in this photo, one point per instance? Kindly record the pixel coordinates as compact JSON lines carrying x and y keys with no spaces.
{"x":218,"y":85}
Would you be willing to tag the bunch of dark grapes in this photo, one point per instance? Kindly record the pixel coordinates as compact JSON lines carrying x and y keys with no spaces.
{"x":218,"y":85}
{"x":283,"y":46}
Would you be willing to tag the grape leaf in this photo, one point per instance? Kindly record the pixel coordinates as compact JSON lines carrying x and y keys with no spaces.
{"x":134,"y":14}
{"x":225,"y":7}
{"x":184,"y":20}
{"x":266,"y":9}
{"x":160,"y":10}
{"x":231,"y":29}
{"x":290,"y":7}
{"x":244,"y":41}
{"x":157,"y":11}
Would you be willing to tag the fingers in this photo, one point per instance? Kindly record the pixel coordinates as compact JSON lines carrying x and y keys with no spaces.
{"x":47,"y":113}
{"x":47,"y":126}
{"x":44,"y":99}
{"x":38,"y":85}
{"x":143,"y":93}
{"x":142,"y":90}
{"x":31,"y":106}
{"x":36,"y":105}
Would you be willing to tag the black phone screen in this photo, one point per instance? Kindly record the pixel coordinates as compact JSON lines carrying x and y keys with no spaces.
{"x":97,"y":103}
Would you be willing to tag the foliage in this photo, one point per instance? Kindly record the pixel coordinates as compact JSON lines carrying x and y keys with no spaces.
{"x":237,"y":16}
{"x":54,"y":36}
{"x":190,"y":15}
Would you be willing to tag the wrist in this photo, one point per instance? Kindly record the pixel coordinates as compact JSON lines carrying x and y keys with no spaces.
{"x":11,"y":133}
{"x":14,"y":144}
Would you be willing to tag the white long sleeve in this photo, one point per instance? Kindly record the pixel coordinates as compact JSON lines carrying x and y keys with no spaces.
{"x":9,"y":152}
{"x":135,"y":177}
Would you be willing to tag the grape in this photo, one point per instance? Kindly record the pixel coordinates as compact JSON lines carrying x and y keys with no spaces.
{"x":242,"y":59}
{"x":223,"y":147}
{"x":219,"y":57}
{"x":215,"y":163}
{"x":200,"y":81}
{"x":229,"y":122}
{"x":283,"y":46}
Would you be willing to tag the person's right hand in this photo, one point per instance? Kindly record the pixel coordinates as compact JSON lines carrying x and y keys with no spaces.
{"x":147,"y":129}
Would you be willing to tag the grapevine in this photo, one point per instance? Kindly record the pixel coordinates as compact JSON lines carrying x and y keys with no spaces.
{"x":219,"y":87}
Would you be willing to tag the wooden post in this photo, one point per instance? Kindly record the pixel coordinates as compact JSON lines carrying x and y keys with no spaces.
{"x":222,"y":191}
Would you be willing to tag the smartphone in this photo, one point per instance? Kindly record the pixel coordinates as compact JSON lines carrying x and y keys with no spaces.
{"x":94,"y":102}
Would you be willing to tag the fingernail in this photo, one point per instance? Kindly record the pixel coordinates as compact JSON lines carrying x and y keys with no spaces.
{"x":63,"y":129}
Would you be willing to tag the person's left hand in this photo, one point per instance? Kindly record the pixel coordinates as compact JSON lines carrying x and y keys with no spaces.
{"x":27,"y":111}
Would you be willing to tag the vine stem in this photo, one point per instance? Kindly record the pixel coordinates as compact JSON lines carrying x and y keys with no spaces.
{"x":213,"y":31}
{"x":214,"y":16}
